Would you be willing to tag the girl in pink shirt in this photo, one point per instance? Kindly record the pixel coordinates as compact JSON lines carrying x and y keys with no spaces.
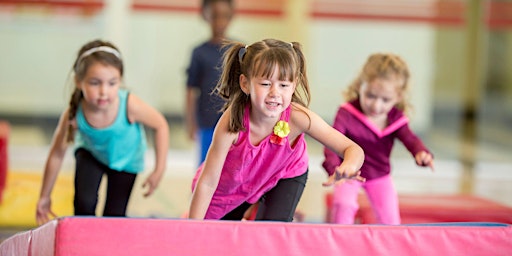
{"x":373,"y":117}
{"x":258,"y":153}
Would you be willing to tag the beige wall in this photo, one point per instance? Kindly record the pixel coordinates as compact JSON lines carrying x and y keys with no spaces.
{"x":38,"y":49}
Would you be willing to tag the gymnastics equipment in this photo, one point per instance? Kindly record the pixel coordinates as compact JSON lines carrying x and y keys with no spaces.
{"x":422,"y":208}
{"x":143,"y":236}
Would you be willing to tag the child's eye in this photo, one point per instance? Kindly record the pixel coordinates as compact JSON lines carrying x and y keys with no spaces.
{"x":371,"y":96}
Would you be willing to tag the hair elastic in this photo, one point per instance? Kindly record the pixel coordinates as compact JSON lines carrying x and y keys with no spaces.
{"x":241,"y":53}
{"x":99,"y":49}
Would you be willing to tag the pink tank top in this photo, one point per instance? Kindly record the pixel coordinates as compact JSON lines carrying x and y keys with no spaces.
{"x":250,"y":171}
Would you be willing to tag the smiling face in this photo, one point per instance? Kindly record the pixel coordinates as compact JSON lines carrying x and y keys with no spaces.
{"x":270,"y":96}
{"x":379,"y":96}
{"x":100,"y":86}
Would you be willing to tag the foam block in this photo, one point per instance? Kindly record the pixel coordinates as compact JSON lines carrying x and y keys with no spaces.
{"x":436,"y":208}
{"x":442,"y":208}
{"x":141,"y":236}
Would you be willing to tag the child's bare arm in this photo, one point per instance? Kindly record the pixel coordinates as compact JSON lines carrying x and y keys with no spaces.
{"x":210,"y":176}
{"x":318,"y":129}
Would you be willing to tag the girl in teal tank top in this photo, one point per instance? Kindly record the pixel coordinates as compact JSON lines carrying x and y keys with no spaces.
{"x":106,"y":124}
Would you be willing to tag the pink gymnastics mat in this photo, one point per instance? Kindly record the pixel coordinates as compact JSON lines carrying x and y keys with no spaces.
{"x":433,"y":209}
{"x":140,"y":236}
{"x":442,"y":208}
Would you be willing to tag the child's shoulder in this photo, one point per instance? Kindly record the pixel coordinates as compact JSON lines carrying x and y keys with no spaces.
{"x":301,"y":116}
{"x":296,"y":107}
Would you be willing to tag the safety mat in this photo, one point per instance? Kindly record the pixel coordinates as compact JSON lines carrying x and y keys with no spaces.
{"x":18,"y":207}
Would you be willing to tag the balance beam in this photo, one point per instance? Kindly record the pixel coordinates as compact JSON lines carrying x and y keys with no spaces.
{"x":143,"y":236}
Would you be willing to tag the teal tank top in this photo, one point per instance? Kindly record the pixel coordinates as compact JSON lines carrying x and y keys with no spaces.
{"x":121,"y":146}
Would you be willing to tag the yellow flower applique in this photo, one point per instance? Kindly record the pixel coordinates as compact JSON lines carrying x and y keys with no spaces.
{"x":281,"y":131}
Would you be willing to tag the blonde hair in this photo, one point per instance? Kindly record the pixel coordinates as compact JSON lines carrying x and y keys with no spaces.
{"x":382,"y":66}
{"x":260,"y":59}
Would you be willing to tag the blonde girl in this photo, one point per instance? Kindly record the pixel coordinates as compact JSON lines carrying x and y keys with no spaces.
{"x":373,"y":117}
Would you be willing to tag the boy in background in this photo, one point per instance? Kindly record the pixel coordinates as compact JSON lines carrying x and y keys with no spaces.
{"x":202,"y":110}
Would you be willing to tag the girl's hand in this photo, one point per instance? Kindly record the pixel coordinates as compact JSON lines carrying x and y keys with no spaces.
{"x":342,"y":174}
{"x":43,"y":210}
{"x":424,"y":158}
{"x":152,"y":183}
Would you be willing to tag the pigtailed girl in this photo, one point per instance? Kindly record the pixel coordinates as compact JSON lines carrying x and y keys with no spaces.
{"x":258,"y":153}
{"x":105,"y":122}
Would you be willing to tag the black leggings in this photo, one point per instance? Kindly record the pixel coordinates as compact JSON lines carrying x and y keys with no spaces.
{"x":278,"y":204}
{"x":88,"y":175}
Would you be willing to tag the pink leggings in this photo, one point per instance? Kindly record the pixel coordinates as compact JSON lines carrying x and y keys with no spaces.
{"x":381,"y":194}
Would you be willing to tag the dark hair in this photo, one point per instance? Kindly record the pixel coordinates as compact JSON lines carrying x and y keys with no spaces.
{"x":259,"y":59}
{"x":80,"y":67}
{"x":205,"y":3}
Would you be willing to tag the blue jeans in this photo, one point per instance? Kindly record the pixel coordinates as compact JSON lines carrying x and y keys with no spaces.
{"x":205,"y":136}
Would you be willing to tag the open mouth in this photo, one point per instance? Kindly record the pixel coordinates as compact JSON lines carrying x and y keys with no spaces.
{"x":273,"y":104}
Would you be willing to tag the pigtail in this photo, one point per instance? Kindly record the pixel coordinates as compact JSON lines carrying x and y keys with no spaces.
{"x":303,"y":96}
{"x":228,"y":86}
{"x":76,"y":97}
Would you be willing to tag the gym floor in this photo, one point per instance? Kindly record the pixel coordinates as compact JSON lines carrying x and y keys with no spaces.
{"x":28,"y":147}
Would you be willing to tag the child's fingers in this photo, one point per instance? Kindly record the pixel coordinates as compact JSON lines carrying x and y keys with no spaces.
{"x":53,"y":214}
{"x":431,"y":165}
{"x":329,"y":182}
{"x":45,"y":217}
{"x":339,"y":182}
{"x":425,"y":159}
{"x":355,"y":176}
{"x":359,"y":178}
{"x":334,"y":179}
{"x":41,"y":219}
{"x":148,"y":193}
{"x":339,"y":178}
{"x":150,"y":186}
